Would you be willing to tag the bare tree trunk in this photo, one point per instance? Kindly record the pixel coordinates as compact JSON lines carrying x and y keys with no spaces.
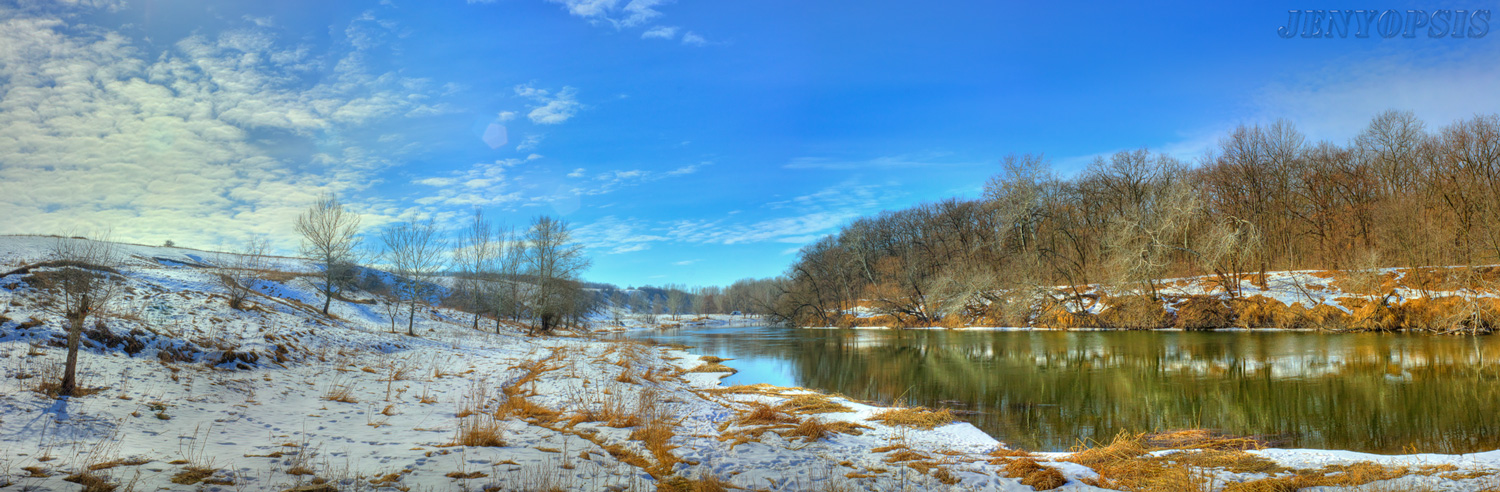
{"x":70,"y":371}
{"x":411,"y":319}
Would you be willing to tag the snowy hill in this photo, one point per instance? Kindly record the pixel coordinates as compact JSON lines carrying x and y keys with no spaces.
{"x":187,"y":393}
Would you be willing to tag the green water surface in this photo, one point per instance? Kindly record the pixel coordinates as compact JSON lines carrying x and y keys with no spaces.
{"x":1046,"y":390}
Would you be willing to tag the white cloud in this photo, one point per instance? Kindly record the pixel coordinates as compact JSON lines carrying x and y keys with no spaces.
{"x":693,"y":39}
{"x":549,"y":108}
{"x":609,"y":181}
{"x":507,"y":116}
{"x":816,"y":214}
{"x":483,"y":184}
{"x":614,"y":236}
{"x":689,"y":169}
{"x":687,"y":262}
{"x":577,"y":173}
{"x":639,"y":12}
{"x":192,"y":141}
{"x":1338,"y":101}
{"x":611,"y":12}
{"x":531,"y":142}
{"x":266,"y":21}
{"x":660,"y":32}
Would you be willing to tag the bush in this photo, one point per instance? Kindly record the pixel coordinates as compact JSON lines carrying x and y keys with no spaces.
{"x":1134,"y":313}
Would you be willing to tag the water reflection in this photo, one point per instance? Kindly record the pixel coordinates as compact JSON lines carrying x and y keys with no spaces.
{"x":1048,"y":390}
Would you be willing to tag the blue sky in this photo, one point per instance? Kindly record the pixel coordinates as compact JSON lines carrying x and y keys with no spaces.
{"x":687,"y":142}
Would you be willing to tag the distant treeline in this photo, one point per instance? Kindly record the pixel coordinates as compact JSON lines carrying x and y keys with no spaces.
{"x":1266,"y":198}
{"x":744,"y":297}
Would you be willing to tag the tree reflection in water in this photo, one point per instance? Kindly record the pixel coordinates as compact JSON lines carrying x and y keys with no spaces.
{"x":1048,"y":390}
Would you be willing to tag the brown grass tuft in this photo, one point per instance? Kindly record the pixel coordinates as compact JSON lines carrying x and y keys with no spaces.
{"x":1333,"y":475}
{"x":192,"y":475}
{"x":481,"y":430}
{"x":119,"y":462}
{"x":340,"y":390}
{"x":91,"y":482}
{"x":814,"y":429}
{"x":713,"y":367}
{"x":704,"y":483}
{"x":518,"y":406}
{"x":466,"y":476}
{"x":762,"y":414}
{"x":918,"y":417}
{"x":1125,"y":463}
{"x":813,"y":403}
{"x":1046,"y":478}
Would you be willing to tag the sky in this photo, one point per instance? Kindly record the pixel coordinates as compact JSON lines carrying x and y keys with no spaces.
{"x":690,"y":142}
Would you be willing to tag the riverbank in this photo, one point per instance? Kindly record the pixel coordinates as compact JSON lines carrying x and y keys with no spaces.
{"x":1443,"y":300}
{"x":186,"y":393}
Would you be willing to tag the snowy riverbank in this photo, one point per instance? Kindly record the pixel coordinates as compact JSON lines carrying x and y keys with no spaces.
{"x":190,"y":394}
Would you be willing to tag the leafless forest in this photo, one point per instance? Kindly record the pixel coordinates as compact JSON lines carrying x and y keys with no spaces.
{"x":1400,"y":194}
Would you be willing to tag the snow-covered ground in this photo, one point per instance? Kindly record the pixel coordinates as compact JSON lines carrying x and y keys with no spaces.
{"x":193,"y":395}
{"x":1333,"y":291}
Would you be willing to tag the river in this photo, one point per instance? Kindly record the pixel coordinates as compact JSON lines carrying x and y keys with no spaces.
{"x":1049,"y":390}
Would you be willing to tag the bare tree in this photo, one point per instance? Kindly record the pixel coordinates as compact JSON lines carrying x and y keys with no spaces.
{"x":414,"y":251}
{"x":553,"y":263}
{"x":392,"y":307}
{"x":82,"y":280}
{"x":617,"y":308}
{"x":676,"y":301}
{"x":474,"y":255}
{"x":239,"y":272}
{"x":329,"y":237}
{"x":508,"y":289}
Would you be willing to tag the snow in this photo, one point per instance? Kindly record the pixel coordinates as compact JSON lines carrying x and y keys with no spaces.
{"x":256,"y":421}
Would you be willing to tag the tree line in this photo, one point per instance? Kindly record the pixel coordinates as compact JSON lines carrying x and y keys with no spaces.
{"x":649,"y":305}
{"x":1265,"y":198}
{"x":528,"y":275}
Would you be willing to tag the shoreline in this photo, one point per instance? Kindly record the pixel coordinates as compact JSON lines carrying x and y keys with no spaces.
{"x":200,"y":396}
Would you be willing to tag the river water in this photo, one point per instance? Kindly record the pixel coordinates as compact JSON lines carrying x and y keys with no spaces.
{"x":1049,"y":390}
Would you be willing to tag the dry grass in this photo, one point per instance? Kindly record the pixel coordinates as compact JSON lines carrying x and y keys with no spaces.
{"x":1047,"y":478}
{"x":1010,"y":453}
{"x":1333,"y":475}
{"x":480,"y":430}
{"x":703,"y":483}
{"x":48,"y":381}
{"x":475,"y":400}
{"x":533,"y":369}
{"x":92,"y":482}
{"x":1126,"y":463}
{"x":119,"y":462}
{"x":192,"y":475}
{"x":748,"y":389}
{"x":905,"y":454}
{"x":466,"y":476}
{"x":1134,"y":313}
{"x":519,"y":406}
{"x":918,"y":417}
{"x":762,"y":414}
{"x":814,"y":429}
{"x":812,"y":403}
{"x":713,"y":367}
{"x":340,"y":390}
